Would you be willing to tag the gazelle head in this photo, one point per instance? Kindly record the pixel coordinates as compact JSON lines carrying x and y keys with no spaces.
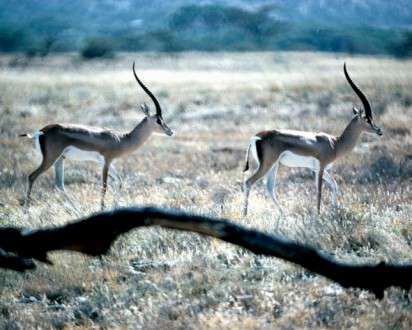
{"x":364,"y":117}
{"x":155,"y":120}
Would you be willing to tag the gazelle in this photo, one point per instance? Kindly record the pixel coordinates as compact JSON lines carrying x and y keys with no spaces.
{"x":60,"y":141}
{"x":316,"y":151}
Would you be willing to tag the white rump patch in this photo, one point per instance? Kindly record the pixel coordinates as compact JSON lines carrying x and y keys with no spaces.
{"x":35,"y":137}
{"x":253,"y":148}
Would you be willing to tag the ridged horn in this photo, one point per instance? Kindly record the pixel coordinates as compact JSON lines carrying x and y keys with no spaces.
{"x":148,"y":92}
{"x":365,"y":102}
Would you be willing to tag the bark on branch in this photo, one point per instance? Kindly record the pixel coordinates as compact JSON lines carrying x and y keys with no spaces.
{"x":95,"y":234}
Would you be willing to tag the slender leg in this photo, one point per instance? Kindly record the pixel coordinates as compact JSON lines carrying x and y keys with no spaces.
{"x":105,"y":173}
{"x":319,"y":179}
{"x":59,"y":173}
{"x":264,"y":161}
{"x":271,"y":185}
{"x":50,"y":155}
{"x":333,"y":186}
{"x":246,"y":191}
{"x":47,"y":162}
{"x":261,"y":171}
{"x":113,"y":174}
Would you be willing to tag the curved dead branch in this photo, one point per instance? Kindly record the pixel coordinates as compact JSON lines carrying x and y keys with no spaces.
{"x":16,"y":263}
{"x":95,"y":234}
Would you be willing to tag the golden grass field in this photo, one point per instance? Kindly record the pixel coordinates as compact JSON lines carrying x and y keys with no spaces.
{"x":154,"y":278}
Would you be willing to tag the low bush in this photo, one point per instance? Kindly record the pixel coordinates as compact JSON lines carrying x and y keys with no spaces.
{"x":97,"y":48}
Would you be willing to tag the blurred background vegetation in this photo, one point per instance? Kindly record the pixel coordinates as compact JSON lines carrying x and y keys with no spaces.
{"x":100,"y":28}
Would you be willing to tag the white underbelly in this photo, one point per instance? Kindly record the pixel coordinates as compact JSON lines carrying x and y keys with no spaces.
{"x":291,"y":159}
{"x":77,"y":154}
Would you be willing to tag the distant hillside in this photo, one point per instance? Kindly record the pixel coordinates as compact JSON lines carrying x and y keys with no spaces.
{"x":369,"y":26}
{"x":374,"y":13}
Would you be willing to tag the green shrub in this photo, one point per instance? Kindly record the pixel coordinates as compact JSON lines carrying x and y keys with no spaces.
{"x":403,"y":49}
{"x":12,"y":39}
{"x":97,"y":48}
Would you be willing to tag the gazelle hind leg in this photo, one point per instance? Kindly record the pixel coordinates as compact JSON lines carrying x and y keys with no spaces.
{"x":247,"y":183}
{"x":263,"y":168}
{"x":47,"y":162}
{"x":271,"y":185}
{"x":32,"y":177}
{"x":264,"y":162}
{"x":246,"y":192}
{"x":260,"y":173}
{"x":59,"y":173}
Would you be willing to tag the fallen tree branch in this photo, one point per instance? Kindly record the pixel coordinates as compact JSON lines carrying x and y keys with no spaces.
{"x":16,"y":263}
{"x":95,"y":234}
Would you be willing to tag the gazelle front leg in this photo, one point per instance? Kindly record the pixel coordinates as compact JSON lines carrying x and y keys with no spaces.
{"x":105,"y":174}
{"x":333,"y":185}
{"x":113,"y":174}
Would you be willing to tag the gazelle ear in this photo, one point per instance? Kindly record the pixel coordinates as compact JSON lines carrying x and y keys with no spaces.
{"x":356,"y":111}
{"x":145,"y":109}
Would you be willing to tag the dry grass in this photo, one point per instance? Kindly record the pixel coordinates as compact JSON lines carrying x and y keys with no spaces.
{"x":159,"y":279}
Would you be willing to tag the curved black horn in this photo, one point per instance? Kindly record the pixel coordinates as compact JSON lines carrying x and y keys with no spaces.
{"x":366,"y":105}
{"x":155,"y":101}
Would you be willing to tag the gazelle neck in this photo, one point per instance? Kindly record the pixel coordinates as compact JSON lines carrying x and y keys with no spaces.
{"x":138,"y":135}
{"x":349,"y":137}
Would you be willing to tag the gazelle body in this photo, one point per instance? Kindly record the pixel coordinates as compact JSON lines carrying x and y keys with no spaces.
{"x":60,"y":141}
{"x":76,"y":154}
{"x":316,"y":151}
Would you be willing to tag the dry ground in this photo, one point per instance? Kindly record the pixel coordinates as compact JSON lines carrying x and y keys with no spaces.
{"x":160,"y":279}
